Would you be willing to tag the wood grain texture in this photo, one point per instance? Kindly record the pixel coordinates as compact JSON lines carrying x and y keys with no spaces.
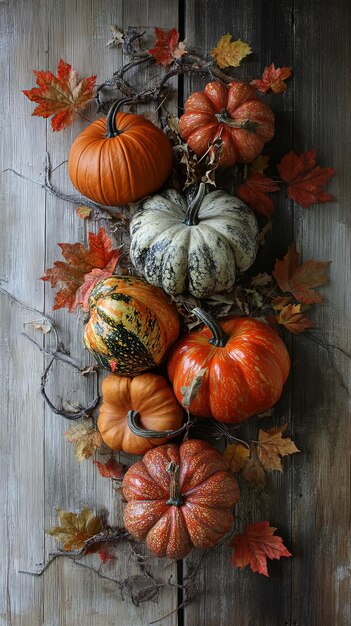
{"x":310,"y":502}
{"x":42,"y":474}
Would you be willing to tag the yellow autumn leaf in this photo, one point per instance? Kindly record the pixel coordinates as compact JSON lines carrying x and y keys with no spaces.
{"x":230,"y":53}
{"x":76,"y":528}
{"x":272,"y":446}
{"x":236,"y":455}
{"x":85,"y":438}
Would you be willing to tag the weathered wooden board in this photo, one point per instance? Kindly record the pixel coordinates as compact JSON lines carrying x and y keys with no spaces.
{"x":310,"y":502}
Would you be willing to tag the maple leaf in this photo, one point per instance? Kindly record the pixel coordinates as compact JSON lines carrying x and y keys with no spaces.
{"x":76,"y":528}
{"x":280,"y":302}
{"x":111,"y":469}
{"x":272,"y":446}
{"x":254,"y":192}
{"x":85,"y":438}
{"x":167,"y":46}
{"x":253,"y":471}
{"x":305,"y":179}
{"x":293,"y":319}
{"x":236,"y":456}
{"x":83,"y":212}
{"x":76,"y":274}
{"x":230,"y":53}
{"x":255,"y":545}
{"x":273,"y":78}
{"x":105,"y":555}
{"x":260,"y":164}
{"x":300,"y":279}
{"x":61,"y":96}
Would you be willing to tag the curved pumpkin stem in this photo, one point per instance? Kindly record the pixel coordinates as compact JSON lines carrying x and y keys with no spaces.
{"x":191,"y":216}
{"x":111,"y":128}
{"x":175,"y":497}
{"x":133,"y":418}
{"x":219,"y":337}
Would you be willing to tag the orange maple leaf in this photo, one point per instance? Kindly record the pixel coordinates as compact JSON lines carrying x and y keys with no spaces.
{"x":83,"y":268}
{"x":255,"y":545}
{"x":273,"y":78}
{"x":305,"y":179}
{"x":61,"y":96}
{"x":299,"y":279}
{"x":167,"y":46}
{"x":271,"y":447}
{"x":254,"y":192}
{"x":236,"y":455}
{"x":293,"y":319}
{"x":111,"y":469}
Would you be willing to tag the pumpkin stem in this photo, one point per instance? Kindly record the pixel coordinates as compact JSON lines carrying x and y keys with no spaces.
{"x":219,"y":337}
{"x":175,"y":497}
{"x":191,"y":216}
{"x":111,"y":128}
{"x":133,"y":417}
{"x":223,"y":117}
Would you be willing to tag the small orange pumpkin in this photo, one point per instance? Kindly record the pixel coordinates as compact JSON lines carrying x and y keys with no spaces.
{"x":119,"y":159}
{"x":136,"y":413}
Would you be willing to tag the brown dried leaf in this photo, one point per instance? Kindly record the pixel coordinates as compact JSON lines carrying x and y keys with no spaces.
{"x":261,"y":280}
{"x":236,"y":455}
{"x":76,"y":528}
{"x":85,"y":438}
{"x":253,"y":471}
{"x":272,"y":447}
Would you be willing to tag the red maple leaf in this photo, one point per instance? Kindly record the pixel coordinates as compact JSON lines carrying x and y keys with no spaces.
{"x":61,"y":95}
{"x":167,"y":46}
{"x":305,"y":179}
{"x":81,"y":270}
{"x":111,"y":469}
{"x":300,"y":279}
{"x":255,"y":545}
{"x":254,"y":192}
{"x":273,"y":78}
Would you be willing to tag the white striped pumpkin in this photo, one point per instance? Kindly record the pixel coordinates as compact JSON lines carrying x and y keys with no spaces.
{"x":197,"y":247}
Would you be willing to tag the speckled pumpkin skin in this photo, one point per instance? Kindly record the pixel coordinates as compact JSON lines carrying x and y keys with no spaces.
{"x":199,"y":125}
{"x":244,"y":377}
{"x":204,"y":258}
{"x":148,"y":394}
{"x":132,"y":325}
{"x":209,"y":494}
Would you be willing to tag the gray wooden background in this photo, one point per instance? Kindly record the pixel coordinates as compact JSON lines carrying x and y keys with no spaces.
{"x":310,"y":501}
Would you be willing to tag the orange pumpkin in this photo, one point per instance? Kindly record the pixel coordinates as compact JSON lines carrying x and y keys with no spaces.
{"x":246,"y":366}
{"x":179,"y":498}
{"x":119,"y":159}
{"x":133,"y":408}
{"x":235,"y":114}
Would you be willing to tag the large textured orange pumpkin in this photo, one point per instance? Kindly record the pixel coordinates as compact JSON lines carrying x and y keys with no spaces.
{"x":132,"y":325}
{"x":147,"y":400}
{"x":246,"y":366}
{"x":119,"y":159}
{"x":233,"y":113}
{"x":180,"y":497}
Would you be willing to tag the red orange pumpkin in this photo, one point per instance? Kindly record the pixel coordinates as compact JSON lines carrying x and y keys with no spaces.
{"x":246,"y":366}
{"x":119,"y":159}
{"x":234,"y":113}
{"x":179,"y":497}
{"x":134,"y":407}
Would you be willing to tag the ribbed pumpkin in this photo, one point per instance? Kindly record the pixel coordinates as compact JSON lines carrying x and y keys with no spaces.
{"x":132,"y":325}
{"x":233,"y":113}
{"x":119,"y":159}
{"x":246,"y":361}
{"x":196,"y":247}
{"x":179,"y":498}
{"x":137,"y":406}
